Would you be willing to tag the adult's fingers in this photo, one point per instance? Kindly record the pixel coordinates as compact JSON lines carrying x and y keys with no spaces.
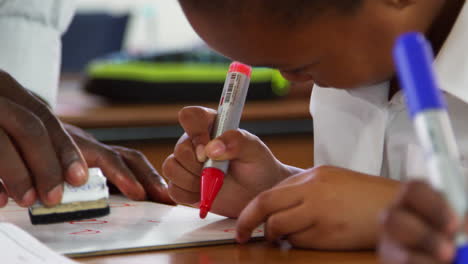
{"x":32,"y":140}
{"x":152,"y":182}
{"x":264,"y":205}
{"x":413,"y":233}
{"x":14,"y":173}
{"x":67,"y":152}
{"x":420,"y":198}
{"x":113,"y":167}
{"x":197,"y":123}
{"x":71,"y":158}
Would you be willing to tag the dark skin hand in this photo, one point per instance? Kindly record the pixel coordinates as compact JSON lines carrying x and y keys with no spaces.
{"x":127,"y":169}
{"x":419,"y":228}
{"x":39,"y":154}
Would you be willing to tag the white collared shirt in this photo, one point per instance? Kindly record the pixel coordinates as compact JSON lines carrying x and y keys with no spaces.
{"x":30,"y":46}
{"x":361,"y":130}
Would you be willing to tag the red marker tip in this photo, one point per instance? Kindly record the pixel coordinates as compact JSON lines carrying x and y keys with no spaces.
{"x":211,"y":182}
{"x":203,"y":212}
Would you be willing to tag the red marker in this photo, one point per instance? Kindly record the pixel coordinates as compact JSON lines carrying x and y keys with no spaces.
{"x":229,"y":114}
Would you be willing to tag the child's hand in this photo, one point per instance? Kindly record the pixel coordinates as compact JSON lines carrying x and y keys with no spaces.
{"x":418,"y":228}
{"x":253,"y":167}
{"x":321,"y":208}
{"x":127,"y":169}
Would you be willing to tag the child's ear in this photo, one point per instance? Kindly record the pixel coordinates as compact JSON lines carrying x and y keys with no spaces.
{"x":400,"y":4}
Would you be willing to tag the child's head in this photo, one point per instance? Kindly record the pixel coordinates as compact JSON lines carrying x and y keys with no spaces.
{"x":338,"y":43}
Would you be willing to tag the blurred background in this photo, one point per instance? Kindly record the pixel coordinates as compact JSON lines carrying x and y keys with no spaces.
{"x":136,"y":26}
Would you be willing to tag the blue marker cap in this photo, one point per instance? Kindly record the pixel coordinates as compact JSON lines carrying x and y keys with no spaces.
{"x":413,"y":59}
{"x":462,"y":255}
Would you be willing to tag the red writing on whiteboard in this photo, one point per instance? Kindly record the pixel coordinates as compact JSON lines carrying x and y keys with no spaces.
{"x":154,"y":221}
{"x":86,"y":232}
{"x":117,"y":205}
{"x":89,"y":222}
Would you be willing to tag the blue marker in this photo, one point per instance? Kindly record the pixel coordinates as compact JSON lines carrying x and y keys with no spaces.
{"x":413,"y":57}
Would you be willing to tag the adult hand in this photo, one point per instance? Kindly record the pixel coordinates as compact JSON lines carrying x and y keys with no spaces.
{"x":37,"y":154}
{"x":127,"y":169}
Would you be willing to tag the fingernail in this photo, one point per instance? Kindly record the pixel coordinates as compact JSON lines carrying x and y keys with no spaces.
{"x":77,"y":174}
{"x":55,"y":195}
{"x":446,"y":251}
{"x":216,"y":148}
{"x":29,"y":197}
{"x":200,"y":152}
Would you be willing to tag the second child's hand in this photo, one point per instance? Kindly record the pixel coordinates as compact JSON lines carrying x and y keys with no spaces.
{"x":325,"y":208}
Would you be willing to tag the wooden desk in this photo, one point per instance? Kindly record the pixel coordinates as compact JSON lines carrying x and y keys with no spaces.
{"x":254,"y":253}
{"x":292,"y":145}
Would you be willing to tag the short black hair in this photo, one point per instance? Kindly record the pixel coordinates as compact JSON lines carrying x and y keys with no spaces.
{"x":285,"y":11}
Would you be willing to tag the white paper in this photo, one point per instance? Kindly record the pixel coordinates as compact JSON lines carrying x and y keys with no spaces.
{"x":131,"y":226}
{"x":18,"y":247}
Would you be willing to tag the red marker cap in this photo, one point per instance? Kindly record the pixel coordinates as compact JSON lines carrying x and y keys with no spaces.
{"x":241,"y":68}
{"x":211,"y":182}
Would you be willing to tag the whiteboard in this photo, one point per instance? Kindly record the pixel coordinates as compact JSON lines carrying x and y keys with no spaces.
{"x":18,"y":247}
{"x":131,"y":227}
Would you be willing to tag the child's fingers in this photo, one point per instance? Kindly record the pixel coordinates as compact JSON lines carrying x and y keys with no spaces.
{"x":235,"y":144}
{"x":176,"y":174}
{"x":287,"y":222}
{"x":420,"y":198}
{"x":197,"y":123}
{"x":184,"y":152}
{"x":183,"y":196}
{"x":413,"y":233}
{"x":264,"y":205}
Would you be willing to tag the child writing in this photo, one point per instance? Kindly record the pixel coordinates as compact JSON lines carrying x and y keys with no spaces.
{"x":361,"y":129}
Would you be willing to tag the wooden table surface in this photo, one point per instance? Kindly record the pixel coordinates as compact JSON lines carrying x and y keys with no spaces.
{"x":253,"y":253}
